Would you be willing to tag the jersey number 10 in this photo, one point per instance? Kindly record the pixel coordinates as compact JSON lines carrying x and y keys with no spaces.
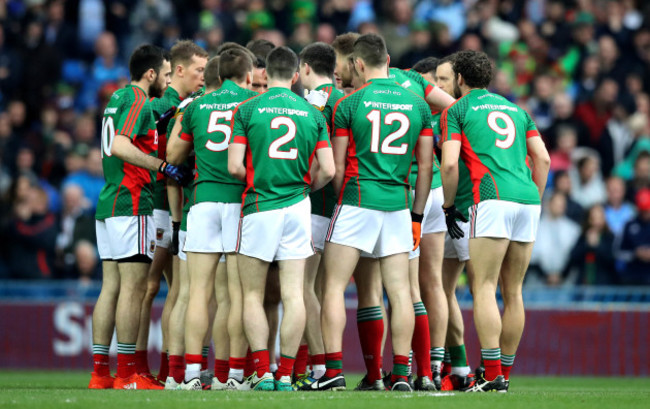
{"x":108,"y":135}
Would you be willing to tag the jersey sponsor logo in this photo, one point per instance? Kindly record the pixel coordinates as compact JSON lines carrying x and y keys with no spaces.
{"x":110,"y":111}
{"x":495,"y":107}
{"x":283,"y":111}
{"x":406,"y":83}
{"x":388,"y":105}
{"x":222,"y":107}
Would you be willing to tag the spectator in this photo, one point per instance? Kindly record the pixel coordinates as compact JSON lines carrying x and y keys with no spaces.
{"x":618,"y":211}
{"x":30,"y":252}
{"x":396,"y":30}
{"x":76,"y":220}
{"x":58,"y":33}
{"x":587,"y":184}
{"x":596,"y":112}
{"x":561,"y":157}
{"x":562,"y":184}
{"x":87,"y":265}
{"x":611,"y":64}
{"x":593,"y":253}
{"x":85,"y":171}
{"x":641,"y":177}
{"x":420,"y":44}
{"x":556,"y":236}
{"x":10,"y":69}
{"x":448,"y":12}
{"x":107,"y":68}
{"x":635,"y":244}
{"x":617,"y":137}
{"x":148,"y":19}
{"x":563,"y":116}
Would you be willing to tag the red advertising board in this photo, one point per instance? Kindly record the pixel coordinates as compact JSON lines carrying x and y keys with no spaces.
{"x":57,"y":335}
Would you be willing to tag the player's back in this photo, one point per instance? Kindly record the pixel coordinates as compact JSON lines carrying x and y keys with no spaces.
{"x":128,"y":188}
{"x":383,"y":122}
{"x":493,"y":136}
{"x":206,"y":122}
{"x":282,"y":132}
{"x":411,"y":80}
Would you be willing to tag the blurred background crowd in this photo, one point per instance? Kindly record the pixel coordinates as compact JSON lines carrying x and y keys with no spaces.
{"x":580,"y":67}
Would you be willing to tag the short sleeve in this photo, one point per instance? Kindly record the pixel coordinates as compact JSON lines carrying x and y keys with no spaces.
{"x":131,"y":116}
{"x":450,"y":125}
{"x":186,"y":123}
{"x":323,"y":133}
{"x":427,"y":127}
{"x":238,"y":127}
{"x":341,"y":119}
{"x":531,"y":128}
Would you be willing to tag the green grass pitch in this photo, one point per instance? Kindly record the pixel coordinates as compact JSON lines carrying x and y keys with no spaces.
{"x":27,"y":389}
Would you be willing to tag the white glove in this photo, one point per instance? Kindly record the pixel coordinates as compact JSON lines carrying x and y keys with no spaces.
{"x":318,"y":99}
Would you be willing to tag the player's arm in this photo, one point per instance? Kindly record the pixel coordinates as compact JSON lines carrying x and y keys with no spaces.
{"x":237,"y":147}
{"x":340,"y":141}
{"x":424,"y":156}
{"x":123,"y":148}
{"x":540,"y":157}
{"x":439,"y":99}
{"x":324,"y":169}
{"x":179,"y":143}
{"x":450,"y":154}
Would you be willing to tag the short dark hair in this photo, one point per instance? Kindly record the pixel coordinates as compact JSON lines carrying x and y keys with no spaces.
{"x":144,"y":58}
{"x":183,"y":51}
{"x":371,"y":48}
{"x":426,"y":65}
{"x":229,"y":45}
{"x":211,"y":73}
{"x":474,"y":66}
{"x":261,"y":48}
{"x":321,"y":58}
{"x":281,"y":63}
{"x":344,"y":43}
{"x":234,"y":64}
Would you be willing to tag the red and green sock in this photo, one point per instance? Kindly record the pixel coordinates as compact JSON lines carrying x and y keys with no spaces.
{"x":261,"y":360}
{"x":421,"y":341}
{"x":164,"y":367}
{"x":300,"y":367}
{"x":177,"y":367}
{"x":221,"y":369}
{"x":142,"y":362}
{"x":492,"y":362}
{"x":370,"y":324}
{"x":204,"y":357}
{"x":100,"y":360}
{"x":458,"y":358}
{"x":400,"y":368}
{"x":333,"y":364}
{"x":125,"y":360}
{"x":286,"y":366}
{"x":507,"y":361}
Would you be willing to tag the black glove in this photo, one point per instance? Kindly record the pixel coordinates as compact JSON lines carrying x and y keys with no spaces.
{"x":163,"y":121}
{"x":451,"y":214}
{"x":180,"y":174}
{"x":173,"y":247}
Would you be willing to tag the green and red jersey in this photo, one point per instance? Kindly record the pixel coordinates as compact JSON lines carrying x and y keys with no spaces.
{"x":493,"y":132}
{"x":206,"y":123}
{"x":412,"y":81}
{"x":383,"y":122}
{"x":281,"y":132}
{"x":323,"y":201}
{"x":129,"y":189}
{"x":170,"y":99}
{"x":436,"y":180}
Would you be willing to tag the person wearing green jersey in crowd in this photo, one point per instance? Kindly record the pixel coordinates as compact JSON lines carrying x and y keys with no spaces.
{"x":125,"y":228}
{"x":494,"y":137}
{"x":317,"y":62}
{"x":188,"y":62}
{"x":456,"y":257}
{"x":376,"y":129}
{"x":275,"y":138}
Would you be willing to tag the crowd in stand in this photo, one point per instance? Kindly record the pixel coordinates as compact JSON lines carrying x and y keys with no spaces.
{"x":581,"y":68}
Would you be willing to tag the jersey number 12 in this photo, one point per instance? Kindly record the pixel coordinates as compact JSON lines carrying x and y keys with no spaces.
{"x":375,"y":119}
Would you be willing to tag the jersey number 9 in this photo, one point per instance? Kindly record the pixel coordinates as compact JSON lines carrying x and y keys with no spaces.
{"x":509,"y":131}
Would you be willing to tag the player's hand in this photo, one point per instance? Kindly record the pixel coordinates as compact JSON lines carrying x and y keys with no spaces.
{"x":180,"y":174}
{"x":173,"y":247}
{"x":318,"y":99}
{"x":163,"y":121}
{"x":451,"y":215}
{"x":416,"y":225}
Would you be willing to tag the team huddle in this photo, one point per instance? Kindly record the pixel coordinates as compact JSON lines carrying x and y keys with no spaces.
{"x":246,"y":195}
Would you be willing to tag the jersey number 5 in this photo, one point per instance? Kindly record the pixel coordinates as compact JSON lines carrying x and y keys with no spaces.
{"x":215,"y":126}
{"x":108,"y":135}
{"x":509,"y":131}
{"x":375,"y":119}
{"x":274,"y":148}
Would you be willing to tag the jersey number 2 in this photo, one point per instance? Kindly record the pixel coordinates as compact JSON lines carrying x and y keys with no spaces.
{"x":215,"y":126}
{"x":509,"y":131}
{"x":375,"y":119}
{"x":274,"y":148}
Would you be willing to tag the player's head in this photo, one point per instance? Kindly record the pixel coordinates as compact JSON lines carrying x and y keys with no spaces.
{"x":282,"y":65}
{"x":445,"y":76}
{"x":188,"y":65}
{"x":150,"y":64}
{"x":237,"y":66}
{"x":316,"y":60}
{"x":211,"y":74}
{"x":344,"y":47}
{"x":370,"y":53}
{"x":472,"y":69}
{"x":261,"y":49}
{"x":427,"y":68}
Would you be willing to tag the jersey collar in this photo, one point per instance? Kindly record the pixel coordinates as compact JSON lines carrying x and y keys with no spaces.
{"x":172,"y":94}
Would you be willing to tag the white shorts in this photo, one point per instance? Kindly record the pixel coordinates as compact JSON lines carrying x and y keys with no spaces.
{"x":182,"y":237}
{"x":319,"y":225}
{"x":125,"y":236}
{"x":280,"y":234}
{"x":503,"y":219}
{"x":163,"y":228}
{"x":458,"y":249}
{"x":375,"y":232}
{"x":212,"y":227}
{"x":433,"y":219}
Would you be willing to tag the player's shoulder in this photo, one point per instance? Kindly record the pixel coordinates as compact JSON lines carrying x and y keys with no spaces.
{"x":353,"y":98}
